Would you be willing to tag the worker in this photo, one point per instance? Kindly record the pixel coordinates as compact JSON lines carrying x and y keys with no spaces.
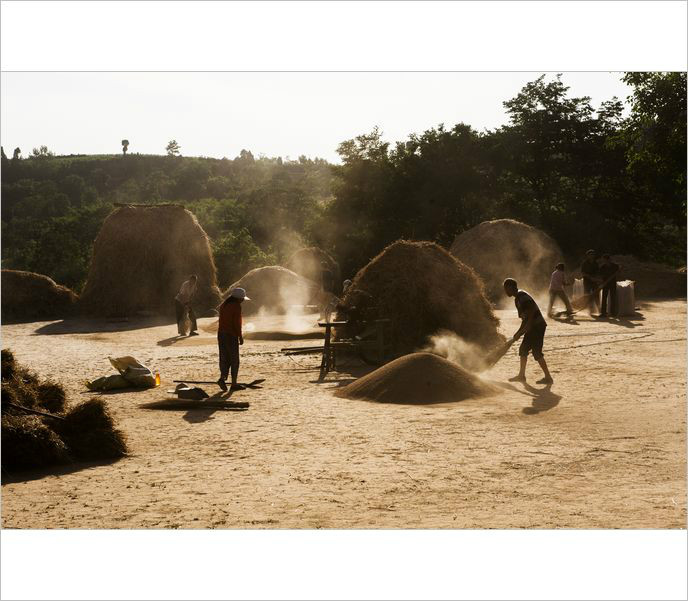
{"x":326,"y":291}
{"x":609,"y":274}
{"x":532,"y":329}
{"x":591,"y":280}
{"x":556,"y":289}
{"x":182,"y":304}
{"x":345,"y":286}
{"x":230,"y":337}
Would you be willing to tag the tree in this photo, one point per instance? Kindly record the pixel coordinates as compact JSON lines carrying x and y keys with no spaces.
{"x":42,"y":152}
{"x":172,"y":148}
{"x":2,"y":152}
{"x":17,"y":154}
{"x":125,"y":146}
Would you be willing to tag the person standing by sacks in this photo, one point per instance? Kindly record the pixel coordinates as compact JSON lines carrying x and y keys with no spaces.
{"x":230,"y":337}
{"x":609,"y":272}
{"x":182,"y":305}
{"x":556,"y":289}
{"x":591,"y":279}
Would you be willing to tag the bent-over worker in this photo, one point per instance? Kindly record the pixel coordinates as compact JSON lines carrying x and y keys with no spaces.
{"x":182,"y":304}
{"x":532,"y":329}
{"x":229,"y":337}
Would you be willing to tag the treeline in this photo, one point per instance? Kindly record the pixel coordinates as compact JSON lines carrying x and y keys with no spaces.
{"x":589,"y":176}
{"x":255,"y":210}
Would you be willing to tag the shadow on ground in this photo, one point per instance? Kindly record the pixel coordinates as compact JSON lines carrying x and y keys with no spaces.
{"x":56,"y":470}
{"x":94,"y":326}
{"x":543,"y":399}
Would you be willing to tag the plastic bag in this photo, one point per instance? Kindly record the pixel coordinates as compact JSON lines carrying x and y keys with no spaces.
{"x":132,"y":374}
{"x":625,"y":297}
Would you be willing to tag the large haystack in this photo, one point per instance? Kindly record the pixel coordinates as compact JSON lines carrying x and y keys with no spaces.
{"x":652,"y":280}
{"x":422,"y":289}
{"x":140,"y":258}
{"x":38,"y":429}
{"x":274,"y":290}
{"x":507,"y":248}
{"x":308,"y":263}
{"x":417,"y":378}
{"x":32,"y":296}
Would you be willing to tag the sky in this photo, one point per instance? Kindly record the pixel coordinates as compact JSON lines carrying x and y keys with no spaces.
{"x":272,"y":114}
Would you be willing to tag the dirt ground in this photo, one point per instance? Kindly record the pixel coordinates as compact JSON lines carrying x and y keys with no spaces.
{"x":604,"y":448}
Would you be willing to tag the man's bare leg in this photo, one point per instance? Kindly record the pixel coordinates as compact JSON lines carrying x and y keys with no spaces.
{"x":521,"y":377}
{"x":548,"y":377}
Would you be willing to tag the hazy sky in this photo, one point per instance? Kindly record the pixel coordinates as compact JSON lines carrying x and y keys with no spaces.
{"x":276,"y":114}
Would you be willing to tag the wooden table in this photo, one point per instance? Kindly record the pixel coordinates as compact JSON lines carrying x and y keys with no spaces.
{"x":375,"y":346}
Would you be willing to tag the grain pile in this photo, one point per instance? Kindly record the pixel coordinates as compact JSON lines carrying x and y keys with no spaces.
{"x":141,"y":257}
{"x":507,"y":248}
{"x":417,"y":378}
{"x":307,"y":262}
{"x":32,"y":296}
{"x":422,"y":289}
{"x":274,"y":290}
{"x":84,"y":432}
{"x":652,"y":280}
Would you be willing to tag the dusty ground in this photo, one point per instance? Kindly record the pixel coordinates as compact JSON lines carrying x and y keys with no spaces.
{"x":604,"y":448}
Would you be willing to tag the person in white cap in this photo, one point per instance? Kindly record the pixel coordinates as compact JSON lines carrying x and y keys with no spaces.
{"x":229,"y":337}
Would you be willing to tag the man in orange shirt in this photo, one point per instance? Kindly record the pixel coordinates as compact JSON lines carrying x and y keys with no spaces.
{"x":229,"y":336}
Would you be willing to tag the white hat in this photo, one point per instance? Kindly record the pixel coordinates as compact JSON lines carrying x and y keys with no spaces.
{"x":239,"y":293}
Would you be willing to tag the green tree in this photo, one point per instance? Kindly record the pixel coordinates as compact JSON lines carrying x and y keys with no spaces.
{"x":125,"y":146}
{"x":172,"y":148}
{"x":42,"y":152}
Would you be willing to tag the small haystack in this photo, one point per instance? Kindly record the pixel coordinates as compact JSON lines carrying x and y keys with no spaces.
{"x":652,"y":280}
{"x":422,"y":289}
{"x":417,"y":378}
{"x":507,"y":248}
{"x":84,"y":432}
{"x":141,"y":257}
{"x":307,"y":262}
{"x":28,"y":296}
{"x":274,"y":290}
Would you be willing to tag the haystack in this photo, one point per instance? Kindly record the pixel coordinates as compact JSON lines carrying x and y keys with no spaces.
{"x":417,"y":378}
{"x":307,"y":262}
{"x":422,"y":289}
{"x":141,"y":257}
{"x":84,"y":432}
{"x":274,"y":290}
{"x":32,"y":296}
{"x":507,"y":248}
{"x":652,"y":280}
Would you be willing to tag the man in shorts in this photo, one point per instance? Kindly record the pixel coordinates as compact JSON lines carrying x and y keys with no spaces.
{"x":532,"y":329}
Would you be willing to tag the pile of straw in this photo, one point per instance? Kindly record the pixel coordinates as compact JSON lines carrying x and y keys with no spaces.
{"x":84,"y":432}
{"x":141,"y":257}
{"x":422,"y":289}
{"x":507,"y":248}
{"x":28,"y":296}
{"x":307,"y":262}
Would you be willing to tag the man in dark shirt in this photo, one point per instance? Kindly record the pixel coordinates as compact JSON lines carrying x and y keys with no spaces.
{"x":608,"y":274}
{"x":532,"y":329}
{"x":591,"y":278}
